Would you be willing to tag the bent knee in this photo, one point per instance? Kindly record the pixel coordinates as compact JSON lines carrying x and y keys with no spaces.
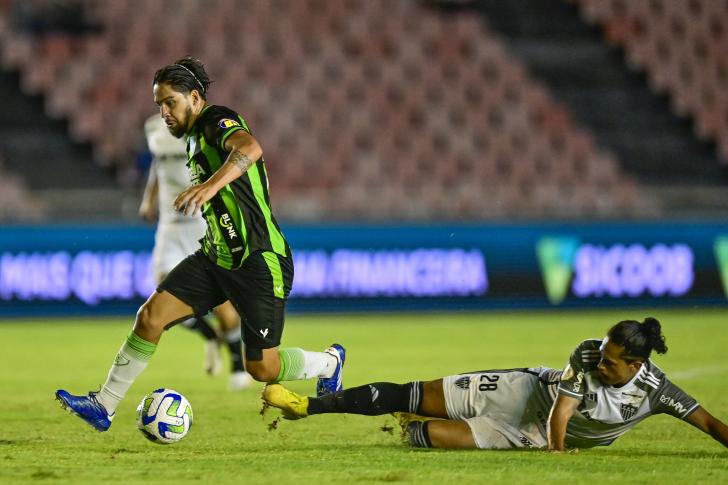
{"x":261,"y":372}
{"x":146,"y":322}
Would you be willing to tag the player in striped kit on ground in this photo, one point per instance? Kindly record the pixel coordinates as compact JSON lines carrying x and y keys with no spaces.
{"x":608,"y":386}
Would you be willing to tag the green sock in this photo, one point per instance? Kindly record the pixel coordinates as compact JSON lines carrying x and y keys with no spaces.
{"x":139,"y":348}
{"x":131,"y":361}
{"x":293,"y":361}
{"x":299,"y":364}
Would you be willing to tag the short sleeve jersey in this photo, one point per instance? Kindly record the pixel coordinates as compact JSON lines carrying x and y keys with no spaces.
{"x":606,"y":412}
{"x":239,"y":217}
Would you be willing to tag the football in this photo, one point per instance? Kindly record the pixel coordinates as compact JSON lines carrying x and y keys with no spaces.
{"x":164,"y":416}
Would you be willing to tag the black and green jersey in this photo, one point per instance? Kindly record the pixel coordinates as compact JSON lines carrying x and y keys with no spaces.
{"x":239,"y":217}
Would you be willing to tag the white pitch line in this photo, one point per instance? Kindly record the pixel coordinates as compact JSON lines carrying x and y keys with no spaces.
{"x":697,"y":372}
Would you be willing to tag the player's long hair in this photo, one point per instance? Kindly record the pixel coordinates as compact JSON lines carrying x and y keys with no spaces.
{"x":638,"y":339}
{"x":184,"y":75}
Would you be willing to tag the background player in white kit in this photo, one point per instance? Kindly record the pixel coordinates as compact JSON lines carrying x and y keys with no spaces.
{"x":608,"y":386}
{"x":178,"y":236}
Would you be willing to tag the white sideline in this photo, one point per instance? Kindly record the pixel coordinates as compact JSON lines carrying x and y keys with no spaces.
{"x":697,"y":372}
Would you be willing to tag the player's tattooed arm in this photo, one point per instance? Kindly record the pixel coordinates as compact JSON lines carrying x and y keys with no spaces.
{"x":244,"y":152}
{"x":241,"y":160}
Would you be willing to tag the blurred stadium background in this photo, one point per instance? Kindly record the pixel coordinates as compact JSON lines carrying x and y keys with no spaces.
{"x":422,"y":154}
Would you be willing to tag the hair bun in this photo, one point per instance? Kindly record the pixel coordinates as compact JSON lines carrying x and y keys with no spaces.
{"x":652,"y":330}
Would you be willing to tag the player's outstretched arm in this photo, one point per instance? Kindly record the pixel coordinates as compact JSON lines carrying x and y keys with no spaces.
{"x":561,"y":413}
{"x":244,"y":152}
{"x":705,"y":422}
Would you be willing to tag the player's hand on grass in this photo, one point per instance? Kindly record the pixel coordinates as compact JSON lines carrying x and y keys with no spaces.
{"x":570,"y":451}
{"x":190,"y":201}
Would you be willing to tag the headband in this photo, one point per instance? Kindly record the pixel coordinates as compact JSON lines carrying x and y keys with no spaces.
{"x":193,"y":75}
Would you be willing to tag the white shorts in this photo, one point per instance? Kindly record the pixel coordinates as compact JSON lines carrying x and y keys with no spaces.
{"x":173,"y":243}
{"x":504,"y":408}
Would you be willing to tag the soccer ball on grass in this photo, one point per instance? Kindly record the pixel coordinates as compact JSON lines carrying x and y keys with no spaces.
{"x":164,"y":416}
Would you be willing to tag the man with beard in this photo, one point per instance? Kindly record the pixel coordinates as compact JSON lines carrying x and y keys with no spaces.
{"x":244,"y":257}
{"x":177,"y":236}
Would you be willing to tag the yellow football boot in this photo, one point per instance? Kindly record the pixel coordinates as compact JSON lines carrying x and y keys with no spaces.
{"x":291,"y":404}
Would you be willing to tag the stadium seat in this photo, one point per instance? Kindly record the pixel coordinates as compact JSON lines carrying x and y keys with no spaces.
{"x":376,"y":108}
{"x":681,"y":47}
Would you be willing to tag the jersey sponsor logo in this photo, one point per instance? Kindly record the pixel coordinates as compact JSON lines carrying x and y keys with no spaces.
{"x":676,"y":405}
{"x":579,"y":380}
{"x":226,"y":123}
{"x":627,"y":411}
{"x":227,"y":223}
{"x":197,"y":173}
{"x":462,"y":382}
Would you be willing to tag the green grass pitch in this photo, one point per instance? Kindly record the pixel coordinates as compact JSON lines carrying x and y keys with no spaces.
{"x":231,"y":443}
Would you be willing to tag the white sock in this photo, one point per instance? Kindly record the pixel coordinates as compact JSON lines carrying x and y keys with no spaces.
{"x":131,"y":361}
{"x":233,"y":335}
{"x":318,"y":364}
{"x":189,"y":323}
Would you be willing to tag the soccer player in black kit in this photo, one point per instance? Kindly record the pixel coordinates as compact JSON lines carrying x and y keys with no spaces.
{"x":243,"y":257}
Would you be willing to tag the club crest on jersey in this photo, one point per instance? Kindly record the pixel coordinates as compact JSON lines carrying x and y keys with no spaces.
{"x":627,"y":411}
{"x":226,"y":123}
{"x":463,"y":382}
{"x":227,"y":223}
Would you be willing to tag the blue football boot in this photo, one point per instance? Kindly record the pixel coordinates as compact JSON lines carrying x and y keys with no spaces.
{"x":86,"y":408}
{"x":328,"y":385}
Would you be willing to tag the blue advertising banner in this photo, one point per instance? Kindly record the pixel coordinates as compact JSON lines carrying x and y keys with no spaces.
{"x":106,"y":269}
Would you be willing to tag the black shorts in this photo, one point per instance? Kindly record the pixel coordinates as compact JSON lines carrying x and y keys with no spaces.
{"x":258,"y":291}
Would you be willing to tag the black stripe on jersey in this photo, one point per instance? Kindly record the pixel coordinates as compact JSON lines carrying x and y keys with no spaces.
{"x":263,"y":180}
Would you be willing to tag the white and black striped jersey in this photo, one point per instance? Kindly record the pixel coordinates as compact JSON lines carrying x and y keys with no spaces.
{"x":169,"y":162}
{"x":607,"y":412}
